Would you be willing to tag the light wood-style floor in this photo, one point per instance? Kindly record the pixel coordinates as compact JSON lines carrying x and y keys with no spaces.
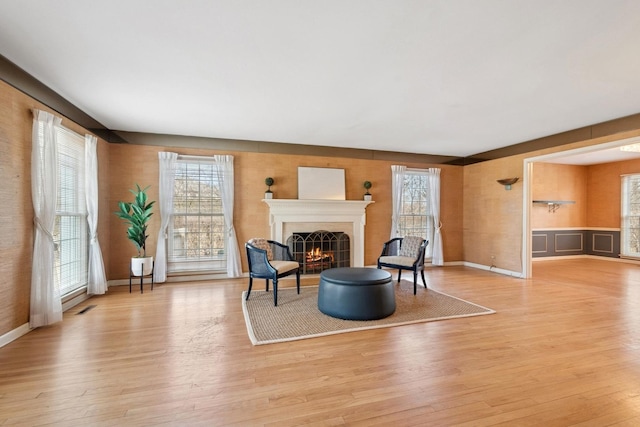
{"x":563,"y":349}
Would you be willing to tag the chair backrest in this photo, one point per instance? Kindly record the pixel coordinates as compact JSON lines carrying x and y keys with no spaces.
{"x":257,"y":258}
{"x":280,"y":252}
{"x":263,"y":244}
{"x":392,"y":247}
{"x":411,"y":246}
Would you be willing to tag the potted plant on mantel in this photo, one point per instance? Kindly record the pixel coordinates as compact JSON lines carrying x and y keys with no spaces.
{"x":136,"y":214}
{"x":367,"y":186}
{"x":269,"y":182}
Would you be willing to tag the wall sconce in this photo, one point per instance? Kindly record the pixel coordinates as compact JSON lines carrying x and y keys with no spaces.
{"x":507,"y":182}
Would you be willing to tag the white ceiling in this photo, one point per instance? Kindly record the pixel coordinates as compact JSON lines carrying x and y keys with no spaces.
{"x":446,"y":77}
{"x":607,"y":155}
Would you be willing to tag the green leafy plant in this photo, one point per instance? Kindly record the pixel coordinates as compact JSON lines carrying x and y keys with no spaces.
{"x":269,"y":182}
{"x":367,"y":186}
{"x":136,"y":214}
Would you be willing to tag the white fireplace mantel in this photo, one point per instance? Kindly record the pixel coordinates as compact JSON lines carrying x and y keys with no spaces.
{"x":283,"y":211}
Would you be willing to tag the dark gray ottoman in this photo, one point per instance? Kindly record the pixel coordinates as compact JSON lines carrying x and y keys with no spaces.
{"x":356,"y":293}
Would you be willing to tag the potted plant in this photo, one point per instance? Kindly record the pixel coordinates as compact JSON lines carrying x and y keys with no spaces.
{"x":269,"y":182}
{"x":136,"y":214}
{"x":367,"y":186}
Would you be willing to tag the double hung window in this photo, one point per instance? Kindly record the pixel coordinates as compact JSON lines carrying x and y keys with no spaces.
{"x":70,"y":233}
{"x":415,"y":217}
{"x":197,"y":229}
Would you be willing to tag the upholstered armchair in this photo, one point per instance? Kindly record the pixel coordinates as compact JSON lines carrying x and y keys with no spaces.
{"x":270,"y":260}
{"x":405,"y":253}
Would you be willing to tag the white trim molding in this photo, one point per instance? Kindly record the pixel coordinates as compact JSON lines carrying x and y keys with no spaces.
{"x":14,"y":334}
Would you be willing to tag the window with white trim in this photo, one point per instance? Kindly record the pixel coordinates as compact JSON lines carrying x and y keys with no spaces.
{"x":197,"y":231}
{"x":630,"y":216}
{"x":415,"y":217}
{"x":70,"y":233}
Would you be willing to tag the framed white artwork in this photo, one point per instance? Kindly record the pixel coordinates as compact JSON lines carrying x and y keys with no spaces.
{"x":320,"y":183}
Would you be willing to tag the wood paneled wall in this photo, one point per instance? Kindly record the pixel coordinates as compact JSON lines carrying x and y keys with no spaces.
{"x":603,"y":204}
{"x":559,"y":182}
{"x":139,"y":164}
{"x":16,"y":208}
{"x":595,"y":189}
{"x":492,"y":215}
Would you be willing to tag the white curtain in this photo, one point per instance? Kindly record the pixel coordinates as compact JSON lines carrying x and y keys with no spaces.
{"x":46,"y":305}
{"x":97,"y":284}
{"x":433,"y":180}
{"x":225,"y":177}
{"x":397,"y":181}
{"x":165,"y":187}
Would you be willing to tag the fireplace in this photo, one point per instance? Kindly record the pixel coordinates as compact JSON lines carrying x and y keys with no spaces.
{"x":348,"y":216}
{"x":320,"y":250}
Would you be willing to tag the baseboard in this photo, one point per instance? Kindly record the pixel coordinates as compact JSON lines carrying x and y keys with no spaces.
{"x":451,"y":263}
{"x":175,"y":278}
{"x":14,"y":334}
{"x":502,"y":271}
{"x":75,"y":301}
{"x":223,"y":276}
{"x":601,"y":258}
{"x":551,"y":258}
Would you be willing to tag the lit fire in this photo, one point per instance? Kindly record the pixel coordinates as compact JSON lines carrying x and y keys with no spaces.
{"x":316,"y":255}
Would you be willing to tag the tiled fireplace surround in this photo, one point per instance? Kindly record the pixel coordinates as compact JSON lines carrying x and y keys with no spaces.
{"x":287,"y":216}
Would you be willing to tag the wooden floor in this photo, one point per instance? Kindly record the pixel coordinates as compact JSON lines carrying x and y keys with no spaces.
{"x":563,"y":349}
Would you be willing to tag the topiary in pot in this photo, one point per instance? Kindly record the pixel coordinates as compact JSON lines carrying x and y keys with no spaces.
{"x":269,"y":182}
{"x":367,"y":186}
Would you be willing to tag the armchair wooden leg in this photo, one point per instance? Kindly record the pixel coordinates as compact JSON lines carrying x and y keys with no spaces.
{"x":423,"y":281}
{"x":298,"y":281}
{"x":267,"y":285}
{"x":399,"y":274}
{"x":415,"y":281}
{"x":249,"y":290}
{"x":275,"y":292}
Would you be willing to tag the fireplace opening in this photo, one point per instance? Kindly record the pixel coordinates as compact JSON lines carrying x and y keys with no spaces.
{"x":320,"y":250}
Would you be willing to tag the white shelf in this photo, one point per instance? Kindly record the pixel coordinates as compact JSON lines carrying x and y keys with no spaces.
{"x":553,"y":205}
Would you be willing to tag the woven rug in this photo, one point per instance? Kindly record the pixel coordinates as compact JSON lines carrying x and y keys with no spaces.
{"x":297,"y":316}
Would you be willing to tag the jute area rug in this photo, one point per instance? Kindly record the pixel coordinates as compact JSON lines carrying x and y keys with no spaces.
{"x":297,"y":316}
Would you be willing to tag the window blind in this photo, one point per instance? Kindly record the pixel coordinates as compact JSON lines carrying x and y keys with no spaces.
{"x":70,"y":231}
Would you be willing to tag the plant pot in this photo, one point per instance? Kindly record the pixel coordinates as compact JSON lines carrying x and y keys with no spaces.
{"x":367,"y":197}
{"x":137,"y":263}
{"x":268,"y":195}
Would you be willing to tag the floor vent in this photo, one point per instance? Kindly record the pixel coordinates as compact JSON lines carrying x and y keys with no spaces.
{"x":84,"y":310}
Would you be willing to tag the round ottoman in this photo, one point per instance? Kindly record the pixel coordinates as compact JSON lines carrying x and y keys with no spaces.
{"x":356,"y":293}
